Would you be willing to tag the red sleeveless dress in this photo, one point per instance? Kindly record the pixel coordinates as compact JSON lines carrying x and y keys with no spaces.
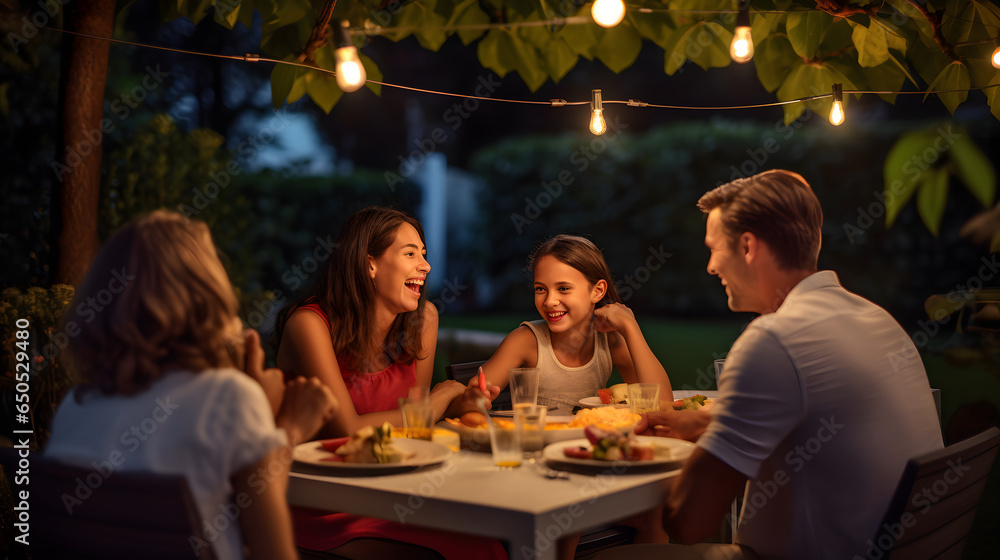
{"x":322,"y":530}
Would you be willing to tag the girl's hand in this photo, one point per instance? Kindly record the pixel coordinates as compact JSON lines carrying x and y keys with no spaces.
{"x":613,"y":317}
{"x":271,"y":379}
{"x":308,"y":404}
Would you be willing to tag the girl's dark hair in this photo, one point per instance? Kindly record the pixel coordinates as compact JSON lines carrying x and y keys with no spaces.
{"x":581,"y":254}
{"x":346,"y":294}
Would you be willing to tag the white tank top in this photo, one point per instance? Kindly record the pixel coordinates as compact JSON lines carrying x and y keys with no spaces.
{"x":564,"y":386}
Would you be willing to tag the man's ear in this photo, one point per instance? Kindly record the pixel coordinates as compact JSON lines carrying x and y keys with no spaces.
{"x":600,"y":288}
{"x":749,"y":246}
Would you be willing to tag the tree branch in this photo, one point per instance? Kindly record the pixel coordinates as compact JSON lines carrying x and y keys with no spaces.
{"x":934,"y":18}
{"x":842,"y":8}
{"x":318,"y":37}
{"x":818,"y":60}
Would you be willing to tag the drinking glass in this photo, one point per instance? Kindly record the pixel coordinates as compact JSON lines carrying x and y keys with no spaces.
{"x":644,"y":397}
{"x":418,"y":419}
{"x":505,"y":442}
{"x":530,"y":421}
{"x":523,"y":387}
{"x":718,"y":371}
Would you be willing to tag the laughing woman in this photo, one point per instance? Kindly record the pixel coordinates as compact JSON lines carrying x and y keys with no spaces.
{"x":367,"y":333}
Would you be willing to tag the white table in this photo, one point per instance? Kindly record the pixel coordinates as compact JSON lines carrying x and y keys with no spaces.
{"x":468,"y":494}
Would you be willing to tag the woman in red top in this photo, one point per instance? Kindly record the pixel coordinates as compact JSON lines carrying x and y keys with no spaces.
{"x":366,"y":331}
{"x":368,"y":334}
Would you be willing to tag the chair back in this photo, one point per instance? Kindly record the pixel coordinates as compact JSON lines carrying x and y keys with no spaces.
{"x":463,"y":372}
{"x":931,"y":514}
{"x":102,"y":513}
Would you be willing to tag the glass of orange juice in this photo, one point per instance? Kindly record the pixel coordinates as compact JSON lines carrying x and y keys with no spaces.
{"x":505,"y":441}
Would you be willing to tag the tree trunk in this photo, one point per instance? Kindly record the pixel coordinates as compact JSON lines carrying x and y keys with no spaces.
{"x":79,"y":166}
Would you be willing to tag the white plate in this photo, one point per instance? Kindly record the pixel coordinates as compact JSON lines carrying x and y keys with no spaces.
{"x":419,"y":453}
{"x":668,"y":453}
{"x":592,"y":402}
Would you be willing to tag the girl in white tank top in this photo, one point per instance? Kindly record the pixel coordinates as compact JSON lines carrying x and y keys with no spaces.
{"x":576,"y":343}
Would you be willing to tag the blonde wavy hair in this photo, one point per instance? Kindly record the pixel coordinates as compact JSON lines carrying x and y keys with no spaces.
{"x":156,"y":298}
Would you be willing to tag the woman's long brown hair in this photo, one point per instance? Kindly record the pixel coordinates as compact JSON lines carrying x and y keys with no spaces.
{"x":346,"y":294}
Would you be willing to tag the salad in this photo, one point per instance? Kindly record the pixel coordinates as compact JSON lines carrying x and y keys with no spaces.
{"x":609,"y":445}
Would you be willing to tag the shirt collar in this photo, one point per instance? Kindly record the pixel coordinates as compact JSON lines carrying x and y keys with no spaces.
{"x":815,"y":281}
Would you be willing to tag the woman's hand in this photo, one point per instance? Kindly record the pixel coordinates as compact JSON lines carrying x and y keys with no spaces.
{"x":308,"y":404}
{"x":272,"y":380}
{"x":613,"y":317}
{"x":680,"y":424}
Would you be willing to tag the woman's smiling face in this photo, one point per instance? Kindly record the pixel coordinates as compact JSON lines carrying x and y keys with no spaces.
{"x":399,"y":274}
{"x":563,"y":296}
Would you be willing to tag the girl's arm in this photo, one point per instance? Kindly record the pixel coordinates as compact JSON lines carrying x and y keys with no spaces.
{"x":265,"y":521}
{"x":629,"y":351}
{"x":518,"y":349}
{"x":306,"y":350}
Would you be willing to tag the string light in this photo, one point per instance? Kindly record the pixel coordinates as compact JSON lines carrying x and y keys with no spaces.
{"x":597,"y":124}
{"x":596,"y":101}
{"x":996,"y":55}
{"x":350,"y":72}
{"x":741,"y":49}
{"x":837,"y":110}
{"x":608,"y":13}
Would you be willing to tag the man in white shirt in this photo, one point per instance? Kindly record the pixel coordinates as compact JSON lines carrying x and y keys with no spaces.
{"x":823,"y":398}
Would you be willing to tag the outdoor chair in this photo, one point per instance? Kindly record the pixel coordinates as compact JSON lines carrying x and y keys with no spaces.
{"x":931,"y":514}
{"x":100,"y":513}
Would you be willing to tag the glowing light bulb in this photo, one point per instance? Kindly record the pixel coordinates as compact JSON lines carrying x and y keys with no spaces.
{"x":741,"y":49}
{"x":996,"y":58}
{"x":837,"y":111}
{"x":597,"y":124}
{"x":608,"y":13}
{"x":350,"y":72}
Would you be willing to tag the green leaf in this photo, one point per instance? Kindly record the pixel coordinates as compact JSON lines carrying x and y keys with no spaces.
{"x":674,"y":56}
{"x":901,"y":173}
{"x":954,"y":76}
{"x":931,"y":198}
{"x":704,"y":43}
{"x":581,"y":38}
{"x":973,"y":167}
{"x":619,"y":47}
{"x":373,"y":72}
{"x":194,"y":10}
{"x":518,"y":55}
{"x":774,"y":60}
{"x":227,"y":13}
{"x":488,"y":51}
{"x":324,"y":92}
{"x":657,"y":27}
{"x":993,"y":96}
{"x":282,"y":78}
{"x":885,"y":77}
{"x":873,"y":49}
{"x":806,"y":31}
{"x":559,"y":59}
{"x":300,"y":85}
{"x":468,"y":12}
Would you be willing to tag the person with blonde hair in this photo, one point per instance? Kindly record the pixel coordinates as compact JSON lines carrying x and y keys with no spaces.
{"x":164,"y":390}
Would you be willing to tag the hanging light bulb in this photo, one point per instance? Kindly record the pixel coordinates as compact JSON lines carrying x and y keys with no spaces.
{"x":350,"y":72}
{"x":597,"y":124}
{"x":996,"y":56}
{"x":608,"y":13}
{"x":741,"y":49}
{"x":837,"y":111}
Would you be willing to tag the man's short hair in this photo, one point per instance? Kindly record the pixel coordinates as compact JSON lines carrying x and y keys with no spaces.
{"x":777,"y":206}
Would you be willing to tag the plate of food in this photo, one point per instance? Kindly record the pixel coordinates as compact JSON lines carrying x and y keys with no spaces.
{"x":603,"y":449}
{"x":694,"y":400}
{"x":614,"y":395}
{"x":371,"y":450}
{"x":474,"y":431}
